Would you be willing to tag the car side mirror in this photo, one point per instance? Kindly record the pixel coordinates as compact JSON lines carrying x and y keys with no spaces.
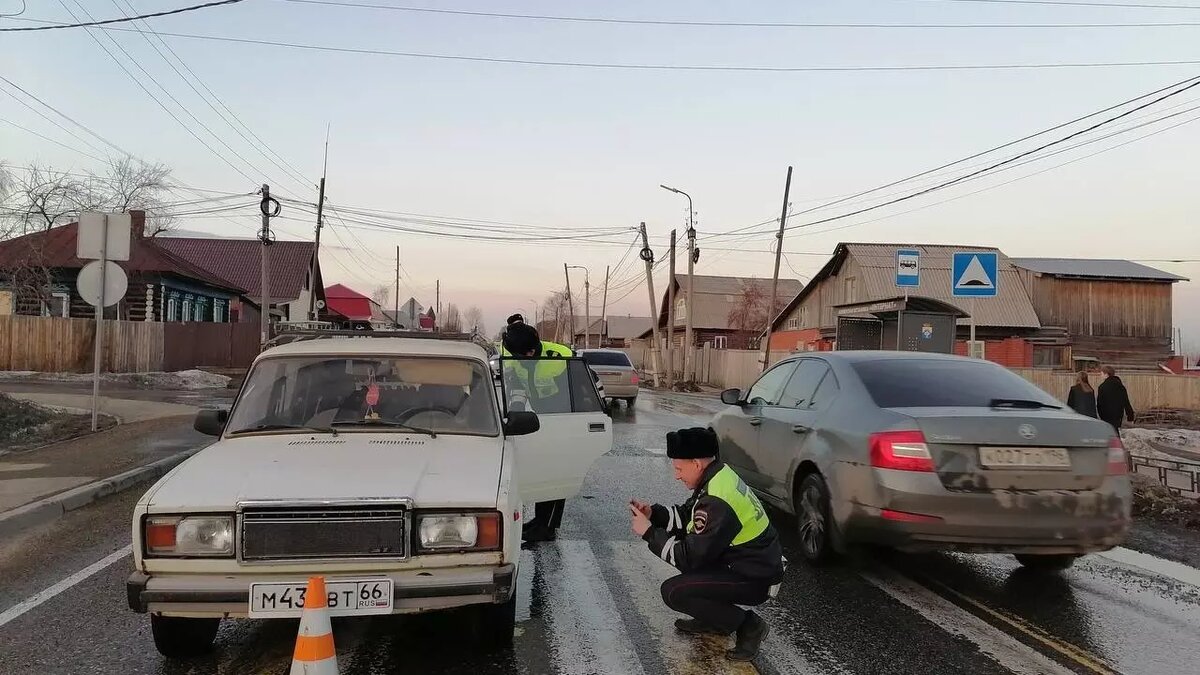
{"x":211,"y":421}
{"x":521,"y":423}
{"x":731,"y":397}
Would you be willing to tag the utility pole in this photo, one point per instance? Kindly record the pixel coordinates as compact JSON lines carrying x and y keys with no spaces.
{"x":438,"y":304}
{"x":269,"y":208}
{"x":689,"y":359}
{"x":787,"y":187}
{"x":604,"y":310}
{"x":647,"y":255}
{"x":312,"y":272}
{"x":396,"y":311}
{"x":671,"y":318}
{"x":570,"y":305}
{"x":587,"y":311}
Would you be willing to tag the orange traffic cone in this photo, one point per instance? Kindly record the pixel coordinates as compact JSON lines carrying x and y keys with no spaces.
{"x":315,"y":653}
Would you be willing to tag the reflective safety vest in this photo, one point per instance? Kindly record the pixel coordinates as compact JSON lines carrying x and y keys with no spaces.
{"x":547,"y":372}
{"x":729,"y":487}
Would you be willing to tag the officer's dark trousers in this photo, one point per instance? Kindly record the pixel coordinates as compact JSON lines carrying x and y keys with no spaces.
{"x":547,"y":515}
{"x":713,"y":597}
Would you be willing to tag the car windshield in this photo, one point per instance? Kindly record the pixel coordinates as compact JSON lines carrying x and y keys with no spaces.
{"x":926,"y":383}
{"x":607,"y":359}
{"x":382,"y":394}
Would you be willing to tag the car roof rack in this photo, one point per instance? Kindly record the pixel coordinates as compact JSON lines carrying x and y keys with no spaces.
{"x":301,"y":335}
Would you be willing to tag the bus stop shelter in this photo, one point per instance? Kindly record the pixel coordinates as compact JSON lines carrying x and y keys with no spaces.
{"x":911,"y":324}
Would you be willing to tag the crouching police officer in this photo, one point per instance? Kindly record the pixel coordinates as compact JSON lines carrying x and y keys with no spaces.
{"x":720,"y":539}
{"x":541,"y":382}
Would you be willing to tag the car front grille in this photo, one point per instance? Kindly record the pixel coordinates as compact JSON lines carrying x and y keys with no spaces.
{"x":323,"y":533}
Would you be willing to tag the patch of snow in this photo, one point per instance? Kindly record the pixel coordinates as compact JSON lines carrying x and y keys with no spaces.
{"x":190,"y":380}
{"x":1137,"y":441}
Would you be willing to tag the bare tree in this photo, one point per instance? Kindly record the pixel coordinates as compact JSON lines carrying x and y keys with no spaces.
{"x":749,"y":315}
{"x":473,"y":320}
{"x":451,"y":320}
{"x":38,"y":198}
{"x":556,"y":317}
{"x":382,"y":295}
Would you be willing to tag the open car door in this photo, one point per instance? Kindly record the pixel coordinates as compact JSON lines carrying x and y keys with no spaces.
{"x":575,"y":431}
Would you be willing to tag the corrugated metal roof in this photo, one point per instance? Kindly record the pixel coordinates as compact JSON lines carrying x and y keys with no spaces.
{"x":717,"y":296}
{"x":240,"y":262}
{"x":1010,"y":308}
{"x":1096,"y":268}
{"x":622,"y":327}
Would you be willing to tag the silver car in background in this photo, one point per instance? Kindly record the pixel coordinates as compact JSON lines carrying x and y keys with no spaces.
{"x":616,"y":372}
{"x":926,"y":452}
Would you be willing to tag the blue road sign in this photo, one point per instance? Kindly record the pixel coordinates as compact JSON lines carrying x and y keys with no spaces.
{"x":974,"y":274}
{"x":908,"y":268}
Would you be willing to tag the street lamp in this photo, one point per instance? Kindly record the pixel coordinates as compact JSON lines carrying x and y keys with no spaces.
{"x":587,"y":310}
{"x":691,"y":234}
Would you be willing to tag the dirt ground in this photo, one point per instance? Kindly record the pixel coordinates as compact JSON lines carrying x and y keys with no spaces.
{"x":24,"y":425}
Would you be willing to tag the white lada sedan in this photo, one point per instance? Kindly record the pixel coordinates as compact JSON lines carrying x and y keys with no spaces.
{"x":391,"y":466}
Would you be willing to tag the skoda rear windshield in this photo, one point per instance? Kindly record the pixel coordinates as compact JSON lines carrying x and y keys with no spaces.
{"x":606,"y":359}
{"x":935,"y":383}
{"x":377,"y":393}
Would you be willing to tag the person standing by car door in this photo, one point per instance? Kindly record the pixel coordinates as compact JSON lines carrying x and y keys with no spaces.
{"x":1112,"y":399}
{"x":541,"y":383}
{"x":1082,"y":398}
{"x":720,"y":540}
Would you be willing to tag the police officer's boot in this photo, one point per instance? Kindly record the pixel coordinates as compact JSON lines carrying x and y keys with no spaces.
{"x":750,"y":636}
{"x":697,"y":627}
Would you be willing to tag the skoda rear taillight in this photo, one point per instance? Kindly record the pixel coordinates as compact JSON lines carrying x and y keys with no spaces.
{"x":1118,"y":457}
{"x":901,"y":451}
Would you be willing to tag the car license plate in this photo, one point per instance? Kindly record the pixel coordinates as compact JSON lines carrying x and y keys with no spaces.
{"x":278,"y":600}
{"x":1047,"y":458}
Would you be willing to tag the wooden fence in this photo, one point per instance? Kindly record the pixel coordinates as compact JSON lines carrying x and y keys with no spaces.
{"x":728,"y":368}
{"x":67,"y":345}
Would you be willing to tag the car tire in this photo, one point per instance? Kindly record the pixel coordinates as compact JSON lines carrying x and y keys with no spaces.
{"x":1046,"y":563}
{"x":630,"y":402}
{"x":180,"y":638}
{"x":814,"y":523}
{"x":495,"y":624}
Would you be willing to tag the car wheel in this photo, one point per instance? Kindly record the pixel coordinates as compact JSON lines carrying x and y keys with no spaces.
{"x":1046,"y":563}
{"x":630,"y":402}
{"x":181,"y":638}
{"x":495,"y":624}
{"x":813,"y":521}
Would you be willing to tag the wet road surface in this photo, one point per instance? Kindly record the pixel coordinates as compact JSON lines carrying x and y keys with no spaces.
{"x":589,"y":602}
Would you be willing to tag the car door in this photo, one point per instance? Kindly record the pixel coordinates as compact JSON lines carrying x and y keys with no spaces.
{"x":740,"y":429}
{"x":787,"y":425}
{"x":575,"y":431}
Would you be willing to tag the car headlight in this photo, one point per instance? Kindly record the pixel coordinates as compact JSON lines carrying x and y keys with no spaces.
{"x":459,"y":532}
{"x":188,"y":536}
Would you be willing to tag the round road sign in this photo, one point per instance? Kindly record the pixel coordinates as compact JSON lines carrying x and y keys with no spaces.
{"x":115,"y":283}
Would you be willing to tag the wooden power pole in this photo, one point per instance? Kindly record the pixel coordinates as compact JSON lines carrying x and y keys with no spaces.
{"x":671,"y":318}
{"x":396,"y":311}
{"x":648,"y":256}
{"x":787,"y":187}
{"x":570,"y":305}
{"x":604,"y":310}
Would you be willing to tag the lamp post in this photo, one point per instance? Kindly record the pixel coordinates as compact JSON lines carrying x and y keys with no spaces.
{"x":587,"y":311}
{"x":688,"y":357}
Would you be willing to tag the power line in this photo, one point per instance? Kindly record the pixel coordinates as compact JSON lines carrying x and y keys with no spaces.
{"x":1063,"y":3}
{"x":723,"y":24}
{"x":47,"y":138}
{"x":60,"y":113}
{"x":670,"y":67}
{"x":106,"y":22}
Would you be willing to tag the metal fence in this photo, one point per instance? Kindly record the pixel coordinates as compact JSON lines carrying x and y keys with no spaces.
{"x":1180,"y":477}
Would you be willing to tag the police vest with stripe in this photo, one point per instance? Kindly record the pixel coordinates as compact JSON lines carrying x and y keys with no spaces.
{"x":727,"y":486}
{"x":545,"y":373}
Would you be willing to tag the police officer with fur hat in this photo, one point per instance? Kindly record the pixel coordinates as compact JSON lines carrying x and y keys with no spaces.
{"x":720,"y":540}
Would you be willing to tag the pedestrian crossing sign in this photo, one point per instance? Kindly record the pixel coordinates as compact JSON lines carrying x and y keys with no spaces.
{"x":974,"y":274}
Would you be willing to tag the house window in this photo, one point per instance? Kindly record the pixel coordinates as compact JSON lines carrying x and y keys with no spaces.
{"x":1049,"y":357}
{"x":793,"y":323}
{"x":804,"y":316}
{"x":850,"y":290}
{"x":720,"y":342}
{"x":58,"y":306}
{"x":187,"y":308}
{"x":680,"y":311}
{"x":219,"y":311}
{"x":200,"y":310}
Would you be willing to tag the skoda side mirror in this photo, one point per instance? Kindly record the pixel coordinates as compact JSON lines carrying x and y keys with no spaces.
{"x":211,"y":421}
{"x":521,"y":423}
{"x":731,"y":397}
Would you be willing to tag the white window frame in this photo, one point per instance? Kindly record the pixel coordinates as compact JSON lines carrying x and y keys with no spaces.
{"x":66,"y":305}
{"x":793,"y":323}
{"x":720,"y":342}
{"x":186,"y":314}
{"x":198,"y":307}
{"x":172,"y":307}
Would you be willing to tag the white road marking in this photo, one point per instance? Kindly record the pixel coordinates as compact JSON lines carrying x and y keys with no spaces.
{"x":1149,"y":563}
{"x":1000,"y":646}
{"x":49,"y":593}
{"x":588,"y":633}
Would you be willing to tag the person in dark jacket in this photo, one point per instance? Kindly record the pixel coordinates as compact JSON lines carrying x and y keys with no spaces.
{"x":1082,"y":398}
{"x":720,"y":540}
{"x":1112,"y":400}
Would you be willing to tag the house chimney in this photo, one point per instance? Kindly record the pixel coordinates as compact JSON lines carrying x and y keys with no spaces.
{"x":138,"y":225}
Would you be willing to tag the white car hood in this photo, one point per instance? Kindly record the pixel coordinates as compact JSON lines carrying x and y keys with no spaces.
{"x":447,"y":471}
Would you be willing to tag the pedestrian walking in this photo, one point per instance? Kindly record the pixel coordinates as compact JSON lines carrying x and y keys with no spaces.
{"x":1082,"y":398}
{"x":1112,"y":399}
{"x":720,"y":540}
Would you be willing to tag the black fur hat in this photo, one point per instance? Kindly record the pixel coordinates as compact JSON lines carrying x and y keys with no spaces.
{"x":515,"y":318}
{"x":693,"y":443}
{"x":521,"y":338}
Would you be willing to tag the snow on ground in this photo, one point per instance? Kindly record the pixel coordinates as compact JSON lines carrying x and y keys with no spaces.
{"x":184,"y":379}
{"x":1137,"y":439}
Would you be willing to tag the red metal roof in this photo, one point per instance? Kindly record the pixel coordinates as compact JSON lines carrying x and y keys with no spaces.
{"x":55,"y":249}
{"x":347,"y":302}
{"x":239,"y":261}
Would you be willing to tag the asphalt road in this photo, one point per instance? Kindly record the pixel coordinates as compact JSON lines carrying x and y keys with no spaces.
{"x":589,"y":603}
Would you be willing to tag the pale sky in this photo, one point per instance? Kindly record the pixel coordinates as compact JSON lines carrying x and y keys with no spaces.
{"x":570,"y":150}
